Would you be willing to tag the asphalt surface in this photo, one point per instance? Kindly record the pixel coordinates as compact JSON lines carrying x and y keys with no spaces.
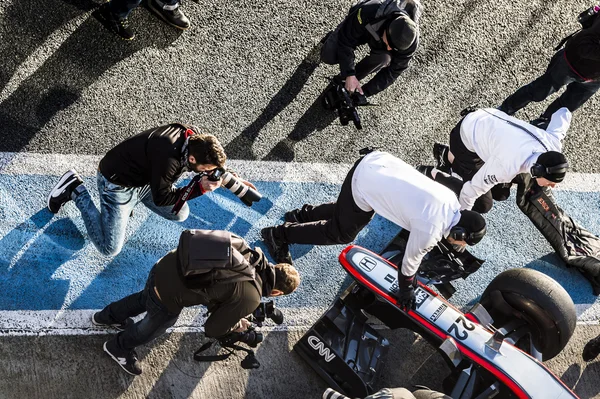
{"x":247,"y":72}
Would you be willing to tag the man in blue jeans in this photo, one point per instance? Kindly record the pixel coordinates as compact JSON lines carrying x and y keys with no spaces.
{"x":577,"y":67}
{"x":234,"y":292}
{"x":143,"y":169}
{"x":113,"y":15}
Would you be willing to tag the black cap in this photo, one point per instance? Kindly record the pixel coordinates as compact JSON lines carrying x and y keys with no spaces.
{"x":401,"y":33}
{"x":554,"y":166}
{"x":474,"y":224}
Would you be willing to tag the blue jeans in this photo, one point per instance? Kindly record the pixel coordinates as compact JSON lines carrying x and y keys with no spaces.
{"x":154,"y":324}
{"x":558,"y":74}
{"x":122,"y":8}
{"x":106,"y":227}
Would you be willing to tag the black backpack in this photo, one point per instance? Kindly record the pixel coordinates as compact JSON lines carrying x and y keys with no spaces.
{"x":208,"y":257}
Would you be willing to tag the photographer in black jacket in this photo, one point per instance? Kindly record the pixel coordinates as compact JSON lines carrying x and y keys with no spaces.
{"x":143,"y":169}
{"x":577,"y":66}
{"x":231,"y":291}
{"x":389,"y":27}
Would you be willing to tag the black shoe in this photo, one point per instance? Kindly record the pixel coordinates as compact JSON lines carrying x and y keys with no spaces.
{"x":292,"y":216}
{"x":440,"y":153}
{"x":426,"y":170}
{"x":104,"y":323}
{"x":127,"y":361}
{"x":591,"y":349}
{"x":541,"y":122}
{"x":279,"y":250}
{"x":113,"y":23}
{"x":61,"y":193}
{"x":174,"y":16}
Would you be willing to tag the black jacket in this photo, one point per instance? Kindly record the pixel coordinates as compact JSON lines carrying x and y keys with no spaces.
{"x":152,"y":157}
{"x":583,"y":51}
{"x":353,"y":32}
{"x":226,"y":302}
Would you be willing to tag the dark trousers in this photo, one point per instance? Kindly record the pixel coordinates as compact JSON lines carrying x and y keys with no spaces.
{"x":329,"y":224}
{"x":154,"y":324}
{"x":466,"y":164}
{"x":557,"y":75}
{"x":122,"y":8}
{"x":376,"y":60}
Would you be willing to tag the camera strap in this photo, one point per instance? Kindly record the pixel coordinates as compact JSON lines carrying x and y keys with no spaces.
{"x":210,"y":358}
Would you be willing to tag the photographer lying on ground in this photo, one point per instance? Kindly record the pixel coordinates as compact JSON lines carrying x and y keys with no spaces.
{"x":143,"y":169}
{"x":577,"y":66}
{"x":389,"y":27}
{"x":488,"y":149}
{"x":382,"y":183}
{"x":209,"y":267}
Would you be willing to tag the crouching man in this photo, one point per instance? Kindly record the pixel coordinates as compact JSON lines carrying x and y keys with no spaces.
{"x":382,"y":183}
{"x":209,"y":267}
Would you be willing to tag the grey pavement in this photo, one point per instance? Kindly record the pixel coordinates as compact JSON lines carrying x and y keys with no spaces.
{"x":246,"y":71}
{"x":76,"y":367}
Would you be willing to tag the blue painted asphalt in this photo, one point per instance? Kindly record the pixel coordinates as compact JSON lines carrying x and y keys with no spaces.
{"x":46,"y":262}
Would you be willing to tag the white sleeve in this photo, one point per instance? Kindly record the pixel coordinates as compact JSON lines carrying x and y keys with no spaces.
{"x":560,"y":123}
{"x":488,"y":176}
{"x":418,"y":245}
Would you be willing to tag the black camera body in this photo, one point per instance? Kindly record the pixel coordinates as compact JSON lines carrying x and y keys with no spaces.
{"x":587,"y":17}
{"x":336,"y":97}
{"x":267,"y":310}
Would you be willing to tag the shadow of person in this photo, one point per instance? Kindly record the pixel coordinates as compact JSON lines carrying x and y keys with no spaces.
{"x":585,"y":385}
{"x":241,"y":146}
{"x":316,"y":118}
{"x":84,"y":55}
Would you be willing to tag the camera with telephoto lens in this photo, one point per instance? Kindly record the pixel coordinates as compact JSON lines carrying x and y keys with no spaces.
{"x":587,"y":18}
{"x":336,"y":97}
{"x":247,"y":194}
{"x":266,"y":310}
{"x":251,"y":337}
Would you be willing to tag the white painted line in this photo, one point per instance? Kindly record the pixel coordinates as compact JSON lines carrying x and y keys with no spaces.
{"x":86,"y":165}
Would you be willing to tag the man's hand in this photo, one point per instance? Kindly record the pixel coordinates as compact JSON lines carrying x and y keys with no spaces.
{"x":352,"y":85}
{"x":209,"y":185}
{"x":244,"y":324}
{"x":406,"y":292}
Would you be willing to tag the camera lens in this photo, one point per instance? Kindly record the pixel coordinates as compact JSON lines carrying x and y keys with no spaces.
{"x":245,"y":193}
{"x":251,"y":338}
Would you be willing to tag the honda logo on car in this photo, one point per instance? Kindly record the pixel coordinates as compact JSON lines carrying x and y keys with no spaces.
{"x":368,"y":263}
{"x":319,"y":346}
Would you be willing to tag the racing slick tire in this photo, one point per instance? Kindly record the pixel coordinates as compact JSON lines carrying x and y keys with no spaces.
{"x":529,"y":296}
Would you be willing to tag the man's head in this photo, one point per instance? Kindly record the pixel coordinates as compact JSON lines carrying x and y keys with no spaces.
{"x":205,"y":153}
{"x":470,"y":229}
{"x":550,"y":168}
{"x":287,"y":279}
{"x":400,"y":33}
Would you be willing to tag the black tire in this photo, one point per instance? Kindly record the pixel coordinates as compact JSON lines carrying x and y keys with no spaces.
{"x":542,"y":303}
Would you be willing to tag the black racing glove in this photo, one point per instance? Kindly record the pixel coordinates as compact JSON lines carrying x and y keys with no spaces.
{"x":406,"y":292}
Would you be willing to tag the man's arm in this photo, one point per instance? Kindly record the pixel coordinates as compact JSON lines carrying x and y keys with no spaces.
{"x":487,"y":177}
{"x":349,"y":35}
{"x":560,"y":123}
{"x":164,"y":172}
{"x":385,"y":77}
{"x":227,"y":315}
{"x":418,"y":245}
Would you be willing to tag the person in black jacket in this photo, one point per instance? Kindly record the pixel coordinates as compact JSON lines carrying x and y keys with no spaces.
{"x":389,"y":27}
{"x":577,"y":66}
{"x":143,"y":169}
{"x":231,"y":297}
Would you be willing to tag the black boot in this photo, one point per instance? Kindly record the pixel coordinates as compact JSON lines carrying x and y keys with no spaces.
{"x":113,"y":23}
{"x":278,"y":248}
{"x":170,"y":14}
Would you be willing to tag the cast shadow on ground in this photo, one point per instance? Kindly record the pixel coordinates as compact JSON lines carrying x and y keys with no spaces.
{"x":29,"y":260}
{"x":583,"y":383}
{"x":241,"y":146}
{"x":59,"y":81}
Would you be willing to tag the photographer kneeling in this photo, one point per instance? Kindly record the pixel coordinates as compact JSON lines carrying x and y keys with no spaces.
{"x":209,"y":267}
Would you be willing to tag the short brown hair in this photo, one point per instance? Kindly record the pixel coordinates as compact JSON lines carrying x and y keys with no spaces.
{"x":207,"y":149}
{"x":287,"y":278}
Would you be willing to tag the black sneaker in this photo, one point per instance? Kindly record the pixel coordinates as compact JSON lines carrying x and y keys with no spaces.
{"x":280,"y":251}
{"x":127,"y":361}
{"x":61,"y":193}
{"x":426,"y":170}
{"x":292,"y":216}
{"x":170,"y":14}
{"x":591,"y":349}
{"x":103,"y":323}
{"x":440,"y":153}
{"x":113,"y":23}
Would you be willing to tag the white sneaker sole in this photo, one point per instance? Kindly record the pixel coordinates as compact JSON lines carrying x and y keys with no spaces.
{"x":116,"y":360}
{"x":60,"y":185}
